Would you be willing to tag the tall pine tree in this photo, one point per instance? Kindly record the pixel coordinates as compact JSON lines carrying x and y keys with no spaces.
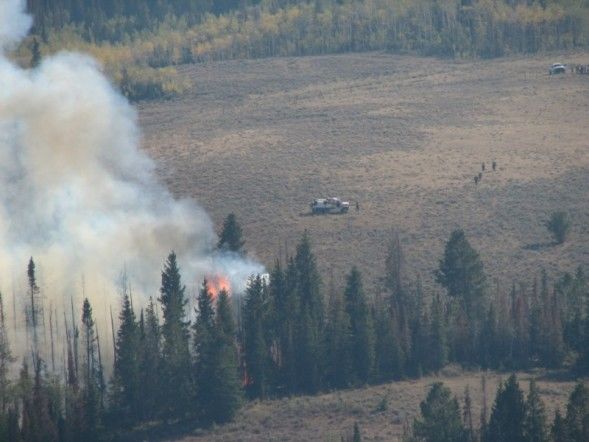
{"x":176,"y":367}
{"x":508,"y":414}
{"x":125,"y":386}
{"x":361,"y":328}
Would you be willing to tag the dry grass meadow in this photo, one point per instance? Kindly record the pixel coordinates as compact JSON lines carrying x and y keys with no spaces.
{"x":381,"y":411}
{"x":404,"y":136}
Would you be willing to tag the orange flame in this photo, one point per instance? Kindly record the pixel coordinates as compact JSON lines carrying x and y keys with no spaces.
{"x":216,"y":284}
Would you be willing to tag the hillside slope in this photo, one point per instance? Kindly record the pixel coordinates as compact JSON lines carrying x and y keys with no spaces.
{"x":402,"y":135}
{"x":381,"y":411}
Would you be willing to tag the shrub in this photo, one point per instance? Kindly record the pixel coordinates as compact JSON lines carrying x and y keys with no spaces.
{"x":559,"y":226}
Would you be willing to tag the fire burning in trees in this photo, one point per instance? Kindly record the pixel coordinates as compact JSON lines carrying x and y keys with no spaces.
{"x":216,"y":284}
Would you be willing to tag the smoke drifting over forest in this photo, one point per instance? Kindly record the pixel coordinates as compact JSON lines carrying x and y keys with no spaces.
{"x":78,"y":195}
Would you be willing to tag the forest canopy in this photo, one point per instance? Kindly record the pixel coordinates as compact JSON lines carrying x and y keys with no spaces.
{"x":141,"y":38}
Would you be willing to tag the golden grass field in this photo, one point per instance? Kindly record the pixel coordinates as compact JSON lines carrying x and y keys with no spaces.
{"x":402,"y":135}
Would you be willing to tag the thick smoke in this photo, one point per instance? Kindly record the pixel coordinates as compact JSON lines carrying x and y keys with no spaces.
{"x":78,"y":194}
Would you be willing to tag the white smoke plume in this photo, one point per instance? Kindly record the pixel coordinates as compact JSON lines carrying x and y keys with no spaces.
{"x":78,"y":194}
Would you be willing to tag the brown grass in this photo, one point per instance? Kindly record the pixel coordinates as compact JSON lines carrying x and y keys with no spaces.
{"x":329,"y":416}
{"x":404,"y":136}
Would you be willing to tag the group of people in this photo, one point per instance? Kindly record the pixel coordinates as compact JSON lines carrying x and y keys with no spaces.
{"x":579,"y":68}
{"x":479,"y":177}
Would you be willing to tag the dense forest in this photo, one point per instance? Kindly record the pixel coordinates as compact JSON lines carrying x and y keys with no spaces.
{"x":294,"y":334}
{"x":136,"y":40}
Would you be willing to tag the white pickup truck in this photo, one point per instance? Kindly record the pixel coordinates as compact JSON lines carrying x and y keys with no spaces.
{"x":557,"y":68}
{"x":329,"y":205}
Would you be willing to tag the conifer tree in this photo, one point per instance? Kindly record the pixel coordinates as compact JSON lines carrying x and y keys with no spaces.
{"x":125,"y":386}
{"x":357,"y":437}
{"x":35,"y":53}
{"x":204,"y":341}
{"x":361,"y":328}
{"x":90,"y":392}
{"x":403,"y":305}
{"x":488,"y":340}
{"x":309,"y":328}
{"x":150,"y":362}
{"x":337,"y":338}
{"x":6,"y":360}
{"x":467,"y":416}
{"x":176,"y":373}
{"x":34,"y":309}
{"x":226,"y":399}
{"x":535,"y":427}
{"x":558,"y":430}
{"x":283,"y":296}
{"x":440,"y":417}
{"x":576,"y":420}
{"x":508,"y":414}
{"x":45,"y":425}
{"x":255,"y":346}
{"x":230,"y":238}
{"x":461,"y":273}
{"x":438,"y":351}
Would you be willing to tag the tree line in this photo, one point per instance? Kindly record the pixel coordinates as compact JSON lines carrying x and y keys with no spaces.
{"x":291,"y":333}
{"x":140,"y":38}
{"x":515,"y":417}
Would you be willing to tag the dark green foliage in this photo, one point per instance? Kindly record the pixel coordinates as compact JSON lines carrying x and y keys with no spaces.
{"x":535,"y":423}
{"x":176,"y":375}
{"x":309,"y":327}
{"x":337,"y":342}
{"x":204,"y":342}
{"x":149,"y":363}
{"x":6,"y":360}
{"x":390,"y":358}
{"x":227,"y":396}
{"x":257,"y":361}
{"x":467,"y":417}
{"x":558,"y":431}
{"x":218,"y":385}
{"x":285,"y":307}
{"x":35,"y":53}
{"x":357,"y":435}
{"x":230,"y":238}
{"x":39,"y":417}
{"x":559,"y":225}
{"x":126,"y":387}
{"x":90,"y":394}
{"x":576,"y":421}
{"x":508,"y":414}
{"x":361,"y":330}
{"x":440,"y":417}
{"x":461,"y":273}
{"x":438,"y":351}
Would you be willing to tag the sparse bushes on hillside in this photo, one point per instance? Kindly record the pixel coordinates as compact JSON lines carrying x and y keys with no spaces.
{"x":559,"y":225}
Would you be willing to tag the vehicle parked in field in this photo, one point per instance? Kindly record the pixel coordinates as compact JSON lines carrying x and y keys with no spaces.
{"x":557,"y":68}
{"x":331,"y":205}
